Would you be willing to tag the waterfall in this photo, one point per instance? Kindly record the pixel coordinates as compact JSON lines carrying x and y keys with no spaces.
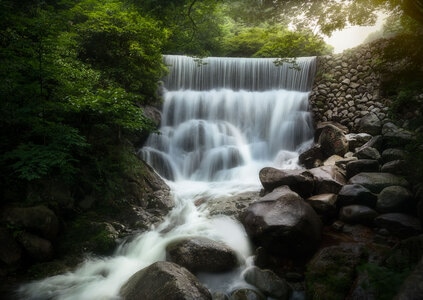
{"x":223,"y":120}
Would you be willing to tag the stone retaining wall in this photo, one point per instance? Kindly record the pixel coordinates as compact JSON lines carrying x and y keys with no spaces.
{"x":347,"y":87}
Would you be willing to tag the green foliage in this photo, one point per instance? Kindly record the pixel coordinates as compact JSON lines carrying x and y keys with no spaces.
{"x":275,"y":41}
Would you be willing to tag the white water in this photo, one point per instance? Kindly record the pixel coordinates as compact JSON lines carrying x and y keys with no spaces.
{"x":213,"y":143}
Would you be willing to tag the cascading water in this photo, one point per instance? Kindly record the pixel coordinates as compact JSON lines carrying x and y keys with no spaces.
{"x":223,"y":120}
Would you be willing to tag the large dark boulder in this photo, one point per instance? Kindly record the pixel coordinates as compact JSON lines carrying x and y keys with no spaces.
{"x":360,"y":166}
{"x":356,"y":194}
{"x":357,"y":214}
{"x":370,"y":124}
{"x":200,"y":254}
{"x":394,"y":199}
{"x":37,"y":248}
{"x":376,"y":182}
{"x":283,"y":224}
{"x":399,"y":224}
{"x":267,"y":282}
{"x":300,"y":181}
{"x":10,"y":252}
{"x":312,"y":157}
{"x":39,"y":220}
{"x":164,"y":281}
{"x":394,"y":136}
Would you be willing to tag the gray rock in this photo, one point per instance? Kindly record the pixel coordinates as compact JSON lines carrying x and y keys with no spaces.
{"x":283,"y":224}
{"x":234,"y":205}
{"x":375,"y":142}
{"x":399,"y":224}
{"x":394,"y":136}
{"x":394,"y":199}
{"x":356,"y":140}
{"x":327,"y":179}
{"x":370,"y":124}
{"x":312,"y":157}
{"x":362,"y":165}
{"x":164,"y":281}
{"x":376,"y":182}
{"x":200,"y":254}
{"x":412,"y":287}
{"x":357,"y":214}
{"x":301,"y":182}
{"x":267,"y":282}
{"x":356,"y":194}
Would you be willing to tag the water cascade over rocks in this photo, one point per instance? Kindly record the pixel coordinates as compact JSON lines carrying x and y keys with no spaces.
{"x":223,"y":120}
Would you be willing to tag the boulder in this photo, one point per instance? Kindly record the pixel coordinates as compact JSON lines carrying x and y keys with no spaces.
{"x":331,"y":272}
{"x":283,"y":224}
{"x":376,"y":182}
{"x":299,"y":181}
{"x":327,"y":179}
{"x":233,"y":205}
{"x":357,"y":214}
{"x":333,"y":141}
{"x":267,"y":282}
{"x":370,"y":124}
{"x":312,"y":157}
{"x":362,"y":165}
{"x":324,"y":205}
{"x":39,"y":249}
{"x":393,"y":154}
{"x":164,"y":281}
{"x":375,"y":142}
{"x":394,"y":199}
{"x":368,"y":153}
{"x":393,"y":136}
{"x":399,"y":224}
{"x":356,"y":140}
{"x":36,"y":219}
{"x":397,"y":167}
{"x":200,"y":254}
{"x":356,"y":194}
{"x":321,"y":125}
{"x":331,"y":161}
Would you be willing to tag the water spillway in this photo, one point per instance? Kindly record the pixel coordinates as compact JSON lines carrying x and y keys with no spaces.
{"x":225,"y":113}
{"x":223,"y":119}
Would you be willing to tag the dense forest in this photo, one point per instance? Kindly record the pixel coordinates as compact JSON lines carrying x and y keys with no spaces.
{"x":75,"y":75}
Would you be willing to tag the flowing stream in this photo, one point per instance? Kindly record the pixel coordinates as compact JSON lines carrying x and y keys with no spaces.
{"x":223,"y":120}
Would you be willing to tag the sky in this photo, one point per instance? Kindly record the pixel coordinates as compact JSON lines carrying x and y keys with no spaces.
{"x":352,"y":36}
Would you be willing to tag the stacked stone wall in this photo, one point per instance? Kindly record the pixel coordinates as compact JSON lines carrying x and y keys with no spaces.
{"x":347,"y":87}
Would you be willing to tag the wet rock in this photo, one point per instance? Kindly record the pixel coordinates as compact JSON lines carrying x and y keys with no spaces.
{"x":399,"y":224}
{"x":267,"y":282}
{"x":333,"y":141}
{"x":164,"y":281}
{"x":375,"y":142}
{"x":331,"y":271}
{"x":370,"y":124}
{"x":356,"y":194}
{"x":362,"y":165}
{"x":393,"y":136}
{"x":394,"y":199}
{"x":202,"y":255}
{"x":328,"y":179}
{"x":299,"y":181}
{"x":283,"y":224}
{"x":376,"y":182}
{"x":331,"y":161}
{"x":37,"y":219}
{"x":231,"y":205}
{"x":357,"y":214}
